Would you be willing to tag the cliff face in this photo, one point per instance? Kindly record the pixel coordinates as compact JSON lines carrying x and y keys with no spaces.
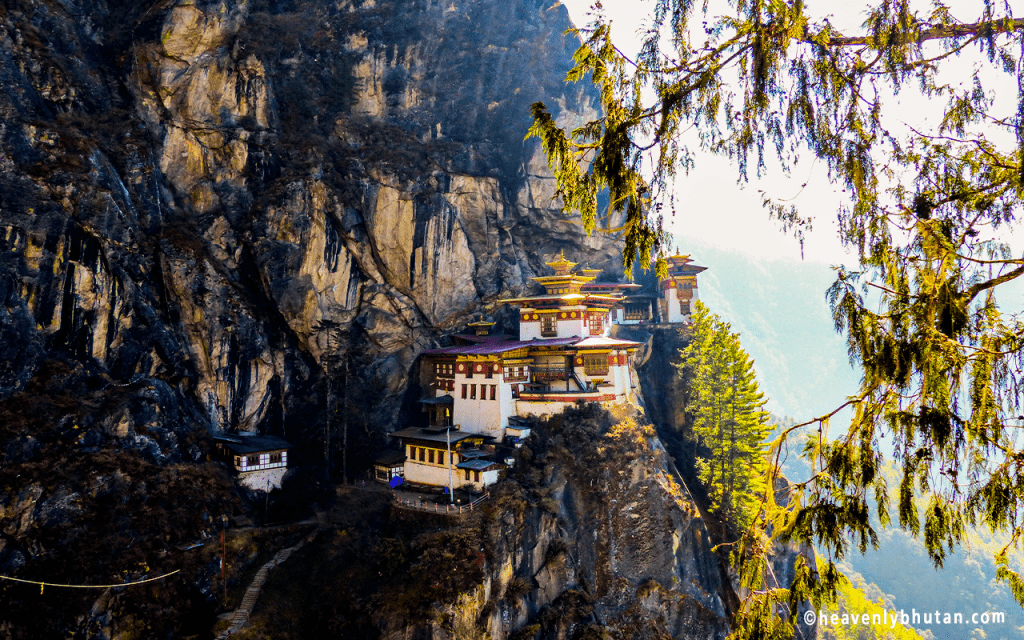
{"x":590,"y":536}
{"x":207,"y":206}
{"x":617,"y":548}
{"x":216,"y":215}
{"x":219,"y":195}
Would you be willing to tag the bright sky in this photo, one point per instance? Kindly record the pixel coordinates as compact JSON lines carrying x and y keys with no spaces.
{"x":717,"y":210}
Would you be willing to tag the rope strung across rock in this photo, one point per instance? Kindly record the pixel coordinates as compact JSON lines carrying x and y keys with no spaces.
{"x":43,"y":585}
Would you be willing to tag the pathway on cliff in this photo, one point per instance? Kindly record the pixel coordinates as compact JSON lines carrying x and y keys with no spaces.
{"x":240,"y":617}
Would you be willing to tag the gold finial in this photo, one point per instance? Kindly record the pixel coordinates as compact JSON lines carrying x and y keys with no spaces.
{"x":562,"y":266}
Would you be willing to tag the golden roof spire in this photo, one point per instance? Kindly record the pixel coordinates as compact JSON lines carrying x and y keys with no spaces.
{"x":562,"y":266}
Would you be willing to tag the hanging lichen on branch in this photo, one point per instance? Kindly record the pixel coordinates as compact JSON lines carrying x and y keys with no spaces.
{"x":766,"y":83}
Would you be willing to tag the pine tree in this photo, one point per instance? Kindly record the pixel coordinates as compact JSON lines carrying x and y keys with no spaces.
{"x":727,"y":415}
{"x":764,"y":81}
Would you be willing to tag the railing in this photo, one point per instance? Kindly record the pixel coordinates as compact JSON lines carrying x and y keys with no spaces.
{"x":567,"y":396}
{"x":549,"y":371}
{"x":446,"y":509}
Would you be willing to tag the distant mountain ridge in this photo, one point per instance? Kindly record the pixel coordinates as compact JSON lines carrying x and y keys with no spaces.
{"x":779,"y":309}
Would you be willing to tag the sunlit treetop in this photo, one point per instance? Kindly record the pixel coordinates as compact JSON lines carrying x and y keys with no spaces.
{"x":765,"y":83}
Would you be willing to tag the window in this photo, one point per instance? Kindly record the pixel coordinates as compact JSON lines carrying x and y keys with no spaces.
{"x":476,"y":476}
{"x":252,"y":461}
{"x":595,"y":365}
{"x":469,"y":369}
{"x":440,"y":457}
{"x":472,"y":391}
{"x":548,"y":326}
{"x":430,"y":456}
{"x":423,"y":454}
{"x":412,"y":453}
{"x":515,"y":374}
{"x":596,"y":325}
{"x":494,"y":389}
{"x":464,"y":391}
{"x":489,"y":369}
{"x":275,"y":458}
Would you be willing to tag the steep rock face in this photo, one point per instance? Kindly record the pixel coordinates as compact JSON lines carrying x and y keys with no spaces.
{"x":617,"y":544}
{"x":221,"y":194}
{"x":207,"y":206}
{"x":590,"y":536}
{"x":594,"y":537}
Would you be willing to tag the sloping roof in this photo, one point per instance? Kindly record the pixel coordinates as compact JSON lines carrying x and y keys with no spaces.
{"x":599,"y":342}
{"x":493,"y":347}
{"x":569,"y":298}
{"x":601,"y":286}
{"x":468,"y":454}
{"x":415,"y":433}
{"x":445,"y":399}
{"x":479,"y":465}
{"x":243,"y":445}
{"x":472,"y":337}
{"x":389,"y":458}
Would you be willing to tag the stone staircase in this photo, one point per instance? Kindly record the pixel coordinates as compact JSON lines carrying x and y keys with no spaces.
{"x":240,"y":617}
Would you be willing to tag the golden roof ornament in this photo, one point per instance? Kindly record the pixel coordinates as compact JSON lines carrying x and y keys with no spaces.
{"x":562,"y":266}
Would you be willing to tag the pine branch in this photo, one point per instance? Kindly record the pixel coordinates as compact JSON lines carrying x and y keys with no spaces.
{"x":941,"y":32}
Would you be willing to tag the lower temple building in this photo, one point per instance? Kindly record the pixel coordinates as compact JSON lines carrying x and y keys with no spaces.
{"x":259,"y":461}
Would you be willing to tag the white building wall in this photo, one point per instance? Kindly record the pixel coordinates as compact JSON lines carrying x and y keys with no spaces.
{"x":264,"y":462}
{"x":620,"y":378}
{"x":545,"y":409}
{"x":526,"y":408}
{"x":529,"y":330}
{"x":431,"y":474}
{"x":487,"y":478}
{"x":482,"y":415}
{"x":671,"y":297}
{"x":573,"y":327}
{"x":506,"y":407}
{"x":263,"y":480}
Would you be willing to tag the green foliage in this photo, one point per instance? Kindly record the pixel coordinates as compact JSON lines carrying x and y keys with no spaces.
{"x":727,"y":416}
{"x":854,"y":603}
{"x":940,"y":359}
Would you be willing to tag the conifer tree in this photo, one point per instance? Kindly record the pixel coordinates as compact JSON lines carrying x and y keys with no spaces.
{"x":727,"y":415}
{"x":764,"y":81}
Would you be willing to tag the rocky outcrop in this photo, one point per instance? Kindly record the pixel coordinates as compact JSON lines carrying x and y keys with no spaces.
{"x":215,"y":214}
{"x":220,"y":195}
{"x":617,"y":543}
{"x":207,"y":207}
